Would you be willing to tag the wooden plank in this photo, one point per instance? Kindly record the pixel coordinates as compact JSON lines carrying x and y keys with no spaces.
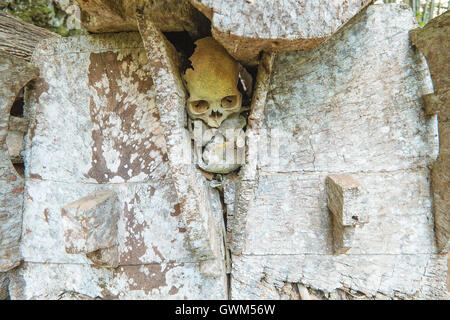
{"x":19,"y":38}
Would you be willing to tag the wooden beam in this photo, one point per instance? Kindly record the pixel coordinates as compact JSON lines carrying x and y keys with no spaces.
{"x":19,"y":38}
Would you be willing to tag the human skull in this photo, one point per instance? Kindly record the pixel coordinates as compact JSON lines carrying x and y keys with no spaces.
{"x":212,"y":83}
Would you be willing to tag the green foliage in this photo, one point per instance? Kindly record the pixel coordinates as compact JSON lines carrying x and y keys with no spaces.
{"x":42,"y":13}
{"x":425,"y":10}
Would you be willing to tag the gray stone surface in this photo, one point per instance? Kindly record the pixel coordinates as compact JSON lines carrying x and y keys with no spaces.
{"x":90,"y":223}
{"x":351,"y":106}
{"x":106,"y":257}
{"x":166,"y":280}
{"x":18,"y":127}
{"x":248,"y":177}
{"x":293,"y":211}
{"x":347,"y":211}
{"x":245,"y":28}
{"x":200,"y":206}
{"x":95,"y":127}
{"x":433,"y":41}
{"x":15,"y":74}
{"x":385,"y":276}
{"x":343,"y":192}
{"x":107,"y":114}
{"x":4,"y":286}
{"x":120,"y":15}
{"x":99,"y":136}
{"x":148,"y":226}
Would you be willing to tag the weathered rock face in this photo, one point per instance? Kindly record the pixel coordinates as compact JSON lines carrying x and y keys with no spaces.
{"x":108,"y":16}
{"x":353,"y":105}
{"x":433,"y":41}
{"x":90,"y":223}
{"x":114,"y":16}
{"x":334,"y":199}
{"x":245,"y":28}
{"x":15,"y":74}
{"x":200,"y":206}
{"x":95,"y":126}
{"x":346,"y":204}
{"x":4,"y":284}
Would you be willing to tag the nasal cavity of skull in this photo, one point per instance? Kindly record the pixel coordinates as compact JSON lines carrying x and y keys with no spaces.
{"x":17,"y":129}
{"x":215,"y":114}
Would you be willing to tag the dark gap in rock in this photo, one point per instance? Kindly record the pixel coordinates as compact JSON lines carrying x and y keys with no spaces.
{"x":182,"y":41}
{"x":204,"y":25}
{"x":17,"y":129}
{"x":254,"y":72}
{"x":20,"y":169}
{"x":247,"y":95}
{"x":18,"y":105}
{"x":184,"y":44}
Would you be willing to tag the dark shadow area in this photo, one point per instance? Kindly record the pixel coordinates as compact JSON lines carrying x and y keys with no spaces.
{"x":17,"y":129}
{"x":18,"y":105}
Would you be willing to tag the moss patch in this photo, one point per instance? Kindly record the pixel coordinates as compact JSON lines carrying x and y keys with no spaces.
{"x":42,"y":13}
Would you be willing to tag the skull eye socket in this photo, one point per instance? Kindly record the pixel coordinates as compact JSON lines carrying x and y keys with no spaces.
{"x":200,"y":106}
{"x":229,"y":102}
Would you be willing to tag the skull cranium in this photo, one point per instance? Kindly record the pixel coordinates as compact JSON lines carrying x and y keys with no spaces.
{"x":212,"y":83}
